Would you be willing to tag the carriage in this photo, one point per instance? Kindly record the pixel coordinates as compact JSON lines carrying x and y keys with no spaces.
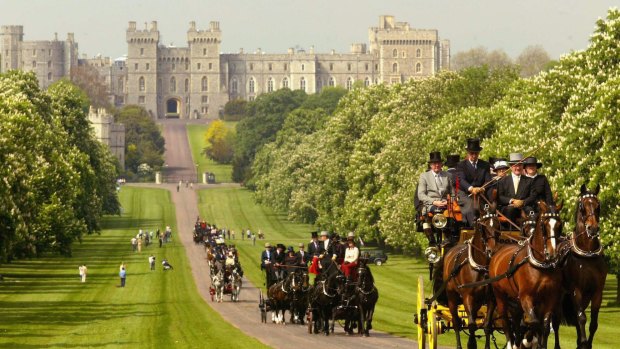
{"x":502,"y":258}
{"x":225,"y":280}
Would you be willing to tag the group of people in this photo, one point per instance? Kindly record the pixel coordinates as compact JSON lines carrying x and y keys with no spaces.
{"x":516,"y":193}
{"x":278,"y":264}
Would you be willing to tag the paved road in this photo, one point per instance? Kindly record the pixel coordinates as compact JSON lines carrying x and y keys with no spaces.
{"x":180,"y":165}
{"x":244,"y":314}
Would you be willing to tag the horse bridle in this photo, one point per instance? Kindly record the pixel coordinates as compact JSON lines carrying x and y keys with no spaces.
{"x":587,"y":231}
{"x":547,"y":235}
{"x":494,"y":229}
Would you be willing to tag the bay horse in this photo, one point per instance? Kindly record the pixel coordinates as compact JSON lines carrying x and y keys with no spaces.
{"x":585,"y":270}
{"x":528,"y":273}
{"x":367,"y":294}
{"x":278,"y":295}
{"x":468,"y":263}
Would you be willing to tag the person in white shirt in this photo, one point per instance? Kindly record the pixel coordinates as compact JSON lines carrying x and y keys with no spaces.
{"x":351,"y":255}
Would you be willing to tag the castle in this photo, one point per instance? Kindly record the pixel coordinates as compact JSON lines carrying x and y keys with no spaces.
{"x":108,"y":132}
{"x":196,"y":81}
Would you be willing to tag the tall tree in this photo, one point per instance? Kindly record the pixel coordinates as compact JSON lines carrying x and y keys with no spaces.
{"x":480,"y":56}
{"x":219,"y":140}
{"x":533,"y":60}
{"x":87,"y":78}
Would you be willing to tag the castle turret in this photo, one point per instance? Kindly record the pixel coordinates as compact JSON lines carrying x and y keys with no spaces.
{"x":141,"y":65}
{"x":11,"y":38}
{"x":204,"y":53}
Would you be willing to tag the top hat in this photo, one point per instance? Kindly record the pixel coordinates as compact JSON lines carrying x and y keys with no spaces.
{"x":434,"y":156}
{"x":315,"y":234}
{"x":473,"y":144}
{"x":280,"y":246}
{"x":452,"y":160}
{"x":532,"y":161}
{"x":515,"y":158}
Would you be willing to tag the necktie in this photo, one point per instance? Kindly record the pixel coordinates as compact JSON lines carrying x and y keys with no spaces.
{"x":438,"y":179}
{"x":475,"y":165}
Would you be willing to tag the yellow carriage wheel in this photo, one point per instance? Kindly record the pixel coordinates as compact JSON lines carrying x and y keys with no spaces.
{"x":433,"y":326}
{"x":421,"y":308}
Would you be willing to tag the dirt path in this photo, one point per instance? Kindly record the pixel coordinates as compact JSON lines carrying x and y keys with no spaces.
{"x":245,"y":314}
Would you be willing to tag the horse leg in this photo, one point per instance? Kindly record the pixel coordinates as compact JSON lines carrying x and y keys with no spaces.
{"x":530,"y":319}
{"x":488,"y":323}
{"x":361,"y":328}
{"x":453,"y":306}
{"x":503,"y":312}
{"x":595,"y":306}
{"x":582,"y":336}
{"x":472,"y":312}
{"x":325,"y":315}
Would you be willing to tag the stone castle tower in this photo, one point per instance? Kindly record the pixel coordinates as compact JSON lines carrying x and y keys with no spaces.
{"x":108,"y":132}
{"x":50,"y":60}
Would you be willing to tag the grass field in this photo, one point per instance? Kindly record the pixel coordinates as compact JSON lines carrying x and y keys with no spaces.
{"x":43,"y":304}
{"x":396,"y":280}
{"x":195,"y":134}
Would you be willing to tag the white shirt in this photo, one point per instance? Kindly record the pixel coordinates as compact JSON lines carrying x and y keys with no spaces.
{"x":351,"y":254}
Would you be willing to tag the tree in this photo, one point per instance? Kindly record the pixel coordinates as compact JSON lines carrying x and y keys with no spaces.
{"x":533,"y":60}
{"x":219,"y":141}
{"x":88,"y":79}
{"x":143,"y":139}
{"x":480,"y":56}
{"x":234,"y":110}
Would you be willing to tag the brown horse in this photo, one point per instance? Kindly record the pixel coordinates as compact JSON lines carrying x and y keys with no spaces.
{"x":585,"y":260}
{"x":528,"y":273}
{"x":467,"y":263}
{"x":279,"y":299}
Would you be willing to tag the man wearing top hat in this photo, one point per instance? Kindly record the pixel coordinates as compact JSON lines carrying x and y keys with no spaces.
{"x":267,"y":260}
{"x":540,"y":184}
{"x":472,"y":174}
{"x":514,"y":192}
{"x":433,"y":188}
{"x":279,"y":261}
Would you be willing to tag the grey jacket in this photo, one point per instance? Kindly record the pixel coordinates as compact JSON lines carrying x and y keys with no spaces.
{"x":429,"y":190}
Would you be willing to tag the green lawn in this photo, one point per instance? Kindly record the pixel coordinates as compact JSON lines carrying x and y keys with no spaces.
{"x":396,"y":280}
{"x":195,"y":133}
{"x":43,"y":304}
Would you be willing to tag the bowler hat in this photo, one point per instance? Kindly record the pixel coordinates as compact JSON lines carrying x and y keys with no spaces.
{"x":473,"y":144}
{"x":267,"y":245}
{"x":301,"y":244}
{"x":515,"y":158}
{"x":532,"y":161}
{"x":452,"y":160}
{"x":434,"y":156}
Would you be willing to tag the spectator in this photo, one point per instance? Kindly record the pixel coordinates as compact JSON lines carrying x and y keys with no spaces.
{"x":123,"y":275}
{"x":152,"y":262}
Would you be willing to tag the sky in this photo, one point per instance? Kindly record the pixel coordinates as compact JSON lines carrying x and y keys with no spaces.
{"x":560,"y":26}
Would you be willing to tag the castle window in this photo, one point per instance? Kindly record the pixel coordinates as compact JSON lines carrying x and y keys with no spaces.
{"x":285,"y":83}
{"x":270,"y":66}
{"x":204,"y":99}
{"x":49,"y":76}
{"x":205,"y":110}
{"x":251,"y":85}
{"x":210,"y":66}
{"x":367,"y":82}
{"x":349,"y":84}
{"x":49,"y":64}
{"x":135,"y":66}
{"x":366,"y":66}
{"x":270,"y":85}
{"x":395,"y":53}
{"x":331,"y":66}
{"x":120,"y":85}
{"x":34,"y":64}
{"x":186,"y":85}
{"x":141,"y":84}
{"x":233,"y":86}
{"x":204,"y":84}
{"x":376,"y":67}
{"x":395,"y":68}
{"x":34,"y":53}
{"x":141,"y":51}
{"x":332,"y":82}
{"x":418,"y":53}
{"x":302,"y":83}
{"x":204,"y":51}
{"x":174,"y":67}
{"x":404,"y":54}
{"x":49,"y":52}
{"x":285,"y":66}
{"x":198,"y":66}
{"x":148,"y":66}
{"x":303,"y":67}
{"x":349,"y":67}
{"x":251,"y":66}
{"x":173,"y":84}
{"x":141,"y":100}
{"x":186,"y":66}
{"x":418,"y":68}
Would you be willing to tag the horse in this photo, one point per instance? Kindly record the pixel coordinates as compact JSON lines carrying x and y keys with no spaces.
{"x":299,"y":297}
{"x":324,"y":296}
{"x":347,"y":306}
{"x":236,"y":282}
{"x":467,"y":263}
{"x":218,"y":284}
{"x":279,"y":299}
{"x":367,"y":295}
{"x":527,"y":273}
{"x":585,"y":259}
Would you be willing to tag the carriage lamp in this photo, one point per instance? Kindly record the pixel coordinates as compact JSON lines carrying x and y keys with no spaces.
{"x":432,"y":254}
{"x":440,"y":221}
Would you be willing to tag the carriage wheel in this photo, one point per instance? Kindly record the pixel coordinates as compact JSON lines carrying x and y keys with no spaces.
{"x":433,"y":327}
{"x":421,"y":309}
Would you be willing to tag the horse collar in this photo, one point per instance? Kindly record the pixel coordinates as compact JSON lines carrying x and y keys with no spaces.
{"x":584,"y":253}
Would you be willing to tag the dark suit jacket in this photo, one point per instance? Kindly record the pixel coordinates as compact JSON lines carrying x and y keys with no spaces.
{"x":279,"y":257}
{"x":312,"y":250}
{"x":330,"y":251}
{"x":506,"y":191}
{"x":470,"y":177}
{"x":542,"y":190}
{"x":263,"y":258}
{"x":303,"y":260}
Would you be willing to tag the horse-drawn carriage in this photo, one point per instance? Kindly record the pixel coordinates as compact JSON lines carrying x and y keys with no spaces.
{"x":225,"y":280}
{"x":497,"y":278}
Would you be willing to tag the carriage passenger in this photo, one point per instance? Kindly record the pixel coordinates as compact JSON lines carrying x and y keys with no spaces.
{"x":351,"y":256}
{"x":339,"y":248}
{"x":433,"y":188}
{"x":266,"y":264}
{"x":472,"y":174}
{"x":514,"y":192}
{"x":302,"y":256}
{"x":500,"y":169}
{"x":278,"y":259}
{"x":290,"y":261}
{"x":540,"y":184}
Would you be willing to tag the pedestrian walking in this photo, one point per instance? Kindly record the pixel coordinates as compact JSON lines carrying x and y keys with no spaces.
{"x":134,"y":244}
{"x":232,"y":232}
{"x":82,"y":269}
{"x":242,"y":235}
{"x":178,"y":186}
{"x":123,"y":275}
{"x":139,"y":245}
{"x":191,"y":185}
{"x":161,"y":241}
{"x":152,"y":262}
{"x":253,"y":239}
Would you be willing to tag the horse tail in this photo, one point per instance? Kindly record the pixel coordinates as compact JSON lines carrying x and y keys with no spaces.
{"x":569,"y":311}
